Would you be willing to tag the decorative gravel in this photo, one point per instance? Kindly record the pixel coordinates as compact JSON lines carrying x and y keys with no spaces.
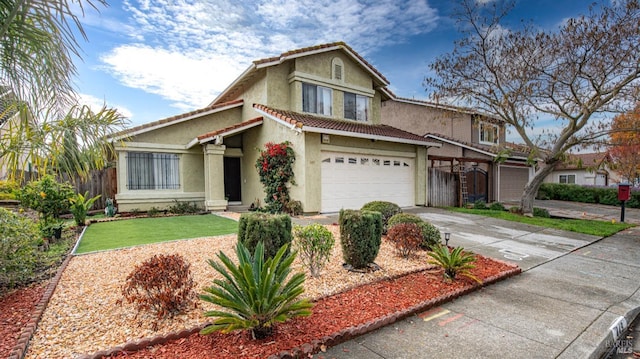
{"x":84,"y":316}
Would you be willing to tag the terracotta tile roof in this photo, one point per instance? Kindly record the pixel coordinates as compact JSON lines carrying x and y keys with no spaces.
{"x":176,"y":118}
{"x":235,"y":89}
{"x":583,"y":161}
{"x":302,"y":121}
{"x":517,"y":150}
{"x":253,"y":121}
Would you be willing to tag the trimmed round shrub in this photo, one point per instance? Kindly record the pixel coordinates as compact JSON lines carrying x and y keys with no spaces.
{"x":497,"y":206}
{"x":163,"y":285}
{"x":273,"y":230}
{"x":387,"y":209}
{"x":360,"y":234}
{"x":19,"y":239}
{"x":406,"y":237}
{"x":430,"y":234}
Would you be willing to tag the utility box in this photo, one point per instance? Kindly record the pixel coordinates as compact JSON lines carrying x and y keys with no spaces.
{"x":624,"y":191}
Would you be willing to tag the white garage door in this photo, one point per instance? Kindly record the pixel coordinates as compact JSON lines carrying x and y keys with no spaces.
{"x":350,"y":180}
{"x":512,"y":182}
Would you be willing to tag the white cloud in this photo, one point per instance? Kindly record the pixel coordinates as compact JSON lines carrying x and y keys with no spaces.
{"x":189,"y":51}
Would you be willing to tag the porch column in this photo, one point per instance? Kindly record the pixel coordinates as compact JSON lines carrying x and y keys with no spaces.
{"x":214,"y":178}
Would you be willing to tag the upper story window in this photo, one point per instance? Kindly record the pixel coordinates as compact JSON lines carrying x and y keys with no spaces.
{"x":316,"y":99}
{"x":489,"y":133}
{"x":356,"y":107}
{"x":151,"y":171}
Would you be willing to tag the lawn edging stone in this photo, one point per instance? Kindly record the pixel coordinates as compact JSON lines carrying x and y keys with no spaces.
{"x":20,"y":349}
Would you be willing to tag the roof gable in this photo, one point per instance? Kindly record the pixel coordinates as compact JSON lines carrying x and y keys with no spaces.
{"x":236,"y":87}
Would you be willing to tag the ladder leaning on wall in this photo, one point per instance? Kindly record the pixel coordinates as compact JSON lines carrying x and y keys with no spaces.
{"x":464,"y":193}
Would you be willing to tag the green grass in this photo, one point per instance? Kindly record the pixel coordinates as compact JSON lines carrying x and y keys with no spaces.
{"x":596,"y":228}
{"x":133,"y":232}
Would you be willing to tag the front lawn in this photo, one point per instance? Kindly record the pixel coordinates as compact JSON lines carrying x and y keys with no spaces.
{"x":596,"y":228}
{"x":133,"y":232}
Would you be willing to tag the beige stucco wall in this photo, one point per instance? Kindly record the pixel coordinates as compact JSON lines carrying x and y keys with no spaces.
{"x":182,"y":132}
{"x":421,"y":120}
{"x":172,"y":139}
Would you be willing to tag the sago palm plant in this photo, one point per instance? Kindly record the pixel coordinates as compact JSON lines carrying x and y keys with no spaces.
{"x":255,"y":293}
{"x":453,"y":262}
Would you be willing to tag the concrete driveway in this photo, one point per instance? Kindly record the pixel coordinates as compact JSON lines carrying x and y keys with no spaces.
{"x":574,"y":295}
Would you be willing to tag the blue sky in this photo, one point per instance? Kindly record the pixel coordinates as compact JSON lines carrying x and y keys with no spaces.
{"x":152,"y":59}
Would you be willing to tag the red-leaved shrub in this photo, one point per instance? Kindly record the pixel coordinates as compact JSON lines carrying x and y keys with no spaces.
{"x":163,"y":284}
{"x":406,"y":237}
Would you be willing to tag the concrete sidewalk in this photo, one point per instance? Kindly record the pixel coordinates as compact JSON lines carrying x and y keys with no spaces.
{"x":573,"y":290}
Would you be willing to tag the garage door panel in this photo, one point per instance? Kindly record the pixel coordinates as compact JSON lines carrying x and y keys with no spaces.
{"x":512,"y":182}
{"x":349,"y":181}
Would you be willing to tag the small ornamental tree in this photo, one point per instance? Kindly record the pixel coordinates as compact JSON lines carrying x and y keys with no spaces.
{"x":275,"y":168}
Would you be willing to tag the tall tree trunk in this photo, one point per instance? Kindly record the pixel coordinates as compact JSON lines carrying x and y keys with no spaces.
{"x":531,"y":189}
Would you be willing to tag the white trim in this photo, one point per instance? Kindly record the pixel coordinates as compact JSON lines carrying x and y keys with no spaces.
{"x":370,"y":137}
{"x":451,"y":142}
{"x":366,"y":151}
{"x":322,"y":81}
{"x":153,"y":147}
{"x":176,"y":121}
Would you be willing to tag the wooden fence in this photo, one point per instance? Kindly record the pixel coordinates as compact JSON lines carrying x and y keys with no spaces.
{"x":443,"y":188}
{"x":101,"y":182}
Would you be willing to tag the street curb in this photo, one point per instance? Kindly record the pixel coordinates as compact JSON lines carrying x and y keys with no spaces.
{"x":608,"y":344}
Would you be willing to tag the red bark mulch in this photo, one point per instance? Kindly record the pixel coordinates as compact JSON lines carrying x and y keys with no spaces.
{"x":331,"y":315}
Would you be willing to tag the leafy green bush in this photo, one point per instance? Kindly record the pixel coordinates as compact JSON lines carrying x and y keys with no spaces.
{"x":179,"y":207}
{"x":387,"y":209}
{"x":497,"y":206}
{"x":273,"y":230}
{"x":406,"y":237}
{"x":480,"y":204}
{"x":256,"y":293}
{"x":275,"y":169}
{"x":430,"y":234}
{"x":80,"y":206}
{"x":453,"y":262}
{"x":18,"y":249}
{"x":162,"y":284}
{"x":541,"y":212}
{"x":314,"y":244}
{"x":46,"y":196}
{"x":586,"y":194}
{"x":360,"y":234}
{"x":8,"y":189}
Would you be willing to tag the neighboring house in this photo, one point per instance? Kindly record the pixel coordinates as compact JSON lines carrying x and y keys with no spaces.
{"x":325,"y":100}
{"x":584,"y":169}
{"x":473,"y":146}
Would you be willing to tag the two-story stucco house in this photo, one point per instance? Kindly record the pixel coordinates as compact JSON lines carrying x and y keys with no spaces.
{"x":473,"y":145}
{"x":325,"y":100}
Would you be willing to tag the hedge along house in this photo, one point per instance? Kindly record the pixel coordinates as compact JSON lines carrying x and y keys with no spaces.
{"x":473,"y":146}
{"x":325,"y":100}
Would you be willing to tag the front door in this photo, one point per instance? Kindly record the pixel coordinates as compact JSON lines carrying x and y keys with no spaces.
{"x":477,"y":185}
{"x":232,"y":190}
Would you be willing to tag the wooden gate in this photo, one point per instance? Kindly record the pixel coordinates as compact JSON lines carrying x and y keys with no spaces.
{"x":443,"y":188}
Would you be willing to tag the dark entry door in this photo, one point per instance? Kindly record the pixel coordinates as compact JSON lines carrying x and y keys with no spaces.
{"x":232,"y":179}
{"x":477,"y":185}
